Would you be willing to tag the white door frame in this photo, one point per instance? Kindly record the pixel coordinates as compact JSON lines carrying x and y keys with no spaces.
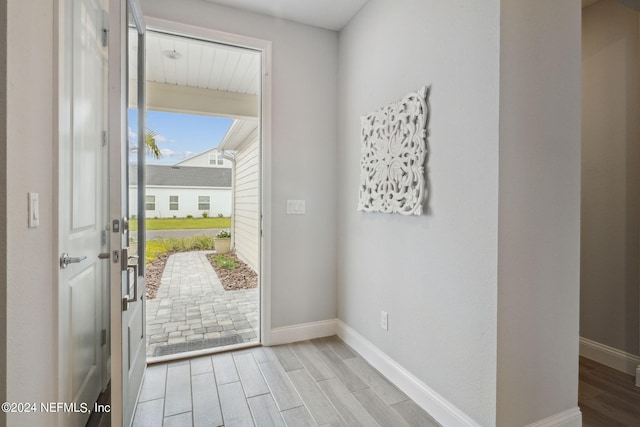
{"x":126,"y":376}
{"x":264,"y":47}
{"x":117,"y":124}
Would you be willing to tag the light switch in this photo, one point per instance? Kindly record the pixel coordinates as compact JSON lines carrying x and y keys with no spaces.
{"x":34,"y":210}
{"x":296,"y":207}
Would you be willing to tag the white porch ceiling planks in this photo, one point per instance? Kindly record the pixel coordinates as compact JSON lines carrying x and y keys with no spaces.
{"x":203,"y":65}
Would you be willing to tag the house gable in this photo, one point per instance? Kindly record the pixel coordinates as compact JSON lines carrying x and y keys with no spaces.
{"x":206,"y":160}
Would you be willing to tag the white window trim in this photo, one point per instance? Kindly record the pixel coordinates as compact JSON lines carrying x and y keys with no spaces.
{"x":147,"y":202}
{"x":215,"y":159}
{"x":177,"y":203}
{"x":208,"y":202}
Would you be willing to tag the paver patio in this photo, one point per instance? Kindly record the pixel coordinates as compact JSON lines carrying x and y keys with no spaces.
{"x":192,"y":311}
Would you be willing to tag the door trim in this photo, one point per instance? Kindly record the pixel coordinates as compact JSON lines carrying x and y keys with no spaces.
{"x":264,"y":46}
{"x":117,"y":123}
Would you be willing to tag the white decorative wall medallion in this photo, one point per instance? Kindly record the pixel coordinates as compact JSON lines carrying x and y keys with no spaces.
{"x":393,"y":154}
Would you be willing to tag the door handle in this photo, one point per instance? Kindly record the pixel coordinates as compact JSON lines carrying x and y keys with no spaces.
{"x":127,"y":299}
{"x":65,"y":260}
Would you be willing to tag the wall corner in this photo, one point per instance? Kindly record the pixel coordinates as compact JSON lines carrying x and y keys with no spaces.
{"x":539,"y":211}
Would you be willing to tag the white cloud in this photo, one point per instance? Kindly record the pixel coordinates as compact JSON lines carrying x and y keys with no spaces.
{"x":161,"y":138}
{"x":167,"y":152}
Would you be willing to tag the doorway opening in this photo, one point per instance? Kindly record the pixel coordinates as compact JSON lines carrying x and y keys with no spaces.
{"x":610,"y":206}
{"x":202,"y":196}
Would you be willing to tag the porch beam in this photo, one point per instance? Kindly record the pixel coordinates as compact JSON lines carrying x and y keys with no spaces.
{"x":191,"y":100}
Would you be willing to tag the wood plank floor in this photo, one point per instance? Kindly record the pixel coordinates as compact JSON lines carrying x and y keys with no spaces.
{"x":312,"y":383}
{"x":607,"y":397}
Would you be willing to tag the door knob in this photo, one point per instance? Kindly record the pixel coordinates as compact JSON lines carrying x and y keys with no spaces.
{"x":65,"y":260}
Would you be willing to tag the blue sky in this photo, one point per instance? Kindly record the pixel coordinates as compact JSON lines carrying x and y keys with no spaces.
{"x":179,"y":136}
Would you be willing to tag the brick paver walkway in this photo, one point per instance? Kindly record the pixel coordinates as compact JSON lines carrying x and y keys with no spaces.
{"x":192,"y":311}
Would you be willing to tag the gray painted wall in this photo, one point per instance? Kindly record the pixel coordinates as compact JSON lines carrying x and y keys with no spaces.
{"x":610,"y":180}
{"x":539,"y":228}
{"x":304,"y":100}
{"x":470,"y":298}
{"x":436,"y":274}
{"x":31,"y":300}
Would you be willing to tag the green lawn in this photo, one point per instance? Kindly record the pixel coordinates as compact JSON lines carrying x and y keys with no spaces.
{"x":155,"y":248}
{"x":183,"y":223}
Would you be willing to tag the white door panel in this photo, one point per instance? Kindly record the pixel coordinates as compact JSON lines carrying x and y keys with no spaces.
{"x":84,"y":357}
{"x":82,"y":207}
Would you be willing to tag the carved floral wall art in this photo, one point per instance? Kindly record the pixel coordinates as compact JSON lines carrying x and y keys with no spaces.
{"x":393,"y":155}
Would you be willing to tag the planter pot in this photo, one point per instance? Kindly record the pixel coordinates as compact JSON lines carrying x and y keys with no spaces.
{"x":222,"y":245}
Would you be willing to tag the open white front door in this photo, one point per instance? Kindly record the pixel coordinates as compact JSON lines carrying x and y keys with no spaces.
{"x":128,"y":356}
{"x":82,"y":205}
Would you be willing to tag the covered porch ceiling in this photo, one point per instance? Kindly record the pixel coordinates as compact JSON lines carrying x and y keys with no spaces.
{"x":186,"y":75}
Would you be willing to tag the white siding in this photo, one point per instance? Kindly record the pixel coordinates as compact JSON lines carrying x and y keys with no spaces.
{"x":202,"y":160}
{"x":246,"y":210}
{"x":219,"y":200}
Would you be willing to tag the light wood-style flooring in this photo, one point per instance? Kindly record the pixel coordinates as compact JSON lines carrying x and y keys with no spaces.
{"x":311,"y":383}
{"x":607,"y":397}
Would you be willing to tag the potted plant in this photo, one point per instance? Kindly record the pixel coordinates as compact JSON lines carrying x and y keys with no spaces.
{"x":222,"y":242}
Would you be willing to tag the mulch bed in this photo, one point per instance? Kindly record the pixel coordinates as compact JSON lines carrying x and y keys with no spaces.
{"x":242,"y":277}
{"x":154,"y":275}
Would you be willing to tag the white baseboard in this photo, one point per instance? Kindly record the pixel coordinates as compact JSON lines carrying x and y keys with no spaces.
{"x":611,"y":357}
{"x":438,"y":407}
{"x":303,"y":331}
{"x":569,"y":418}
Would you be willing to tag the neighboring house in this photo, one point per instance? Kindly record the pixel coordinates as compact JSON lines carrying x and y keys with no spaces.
{"x":210,"y":158}
{"x":242,"y":140}
{"x":181,"y":191}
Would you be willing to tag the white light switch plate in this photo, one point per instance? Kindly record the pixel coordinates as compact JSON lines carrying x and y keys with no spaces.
{"x":296,"y":207}
{"x":34,"y":210}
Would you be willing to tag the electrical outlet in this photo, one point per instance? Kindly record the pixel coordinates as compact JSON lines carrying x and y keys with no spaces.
{"x":384,"y":320}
